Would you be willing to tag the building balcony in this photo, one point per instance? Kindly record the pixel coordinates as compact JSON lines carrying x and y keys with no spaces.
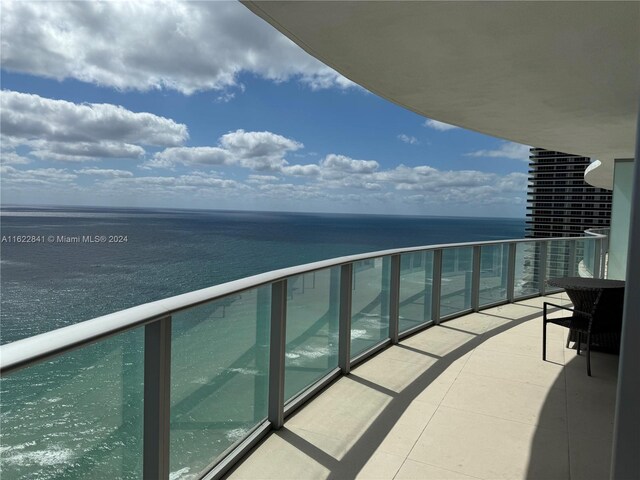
{"x":470,"y":398}
{"x":185,"y":387}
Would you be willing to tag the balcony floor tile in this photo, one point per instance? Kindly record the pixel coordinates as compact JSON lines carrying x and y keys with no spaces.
{"x":489,"y":447}
{"x":521,"y":368}
{"x":509,"y":400}
{"x":412,"y":470}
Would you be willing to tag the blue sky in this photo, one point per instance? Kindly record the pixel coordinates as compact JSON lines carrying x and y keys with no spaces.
{"x":203,"y":105}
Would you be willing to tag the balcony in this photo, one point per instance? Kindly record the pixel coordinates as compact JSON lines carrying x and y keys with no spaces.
{"x":470,"y":398}
{"x":185,"y":387}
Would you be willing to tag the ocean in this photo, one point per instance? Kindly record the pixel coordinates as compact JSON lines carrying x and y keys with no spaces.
{"x":160,"y":253}
{"x":80,"y":415}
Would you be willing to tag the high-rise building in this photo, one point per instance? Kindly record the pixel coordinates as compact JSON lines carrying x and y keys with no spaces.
{"x":560,"y":203}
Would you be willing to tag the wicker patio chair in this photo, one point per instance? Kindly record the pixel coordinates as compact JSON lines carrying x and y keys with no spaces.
{"x":596,"y":312}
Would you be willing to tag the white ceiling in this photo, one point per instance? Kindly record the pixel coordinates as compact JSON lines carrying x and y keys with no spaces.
{"x":558,"y":75}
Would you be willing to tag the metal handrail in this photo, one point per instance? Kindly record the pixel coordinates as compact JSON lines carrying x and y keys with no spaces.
{"x":39,"y":348}
{"x":602,"y":234}
{"x":597,"y":232}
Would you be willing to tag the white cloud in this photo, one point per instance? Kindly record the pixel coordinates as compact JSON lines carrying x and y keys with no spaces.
{"x":259,"y":151}
{"x":310,"y":170}
{"x":447,"y":187}
{"x":32,"y":117}
{"x":184,"y":46}
{"x":225,"y":97}
{"x":189,"y":156}
{"x":290,"y":192}
{"x":420,"y":198}
{"x":342,"y":175}
{"x":151,"y":186}
{"x":423,"y":186}
{"x":408,"y":139}
{"x":62,"y":131}
{"x":262,"y":179}
{"x":436,"y":125}
{"x":12,"y":158}
{"x":83,"y":151}
{"x":105,"y":172}
{"x":334,"y":178}
{"x":342,"y":163}
{"x":36,"y":177}
{"x":511,"y":150}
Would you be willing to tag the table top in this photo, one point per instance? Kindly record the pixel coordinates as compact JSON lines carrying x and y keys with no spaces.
{"x":585,"y":283}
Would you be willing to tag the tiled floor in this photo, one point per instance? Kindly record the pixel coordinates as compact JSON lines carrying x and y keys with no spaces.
{"x":470,"y":398}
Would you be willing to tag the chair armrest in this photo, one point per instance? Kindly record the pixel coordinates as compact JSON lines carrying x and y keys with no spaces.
{"x":561,"y":307}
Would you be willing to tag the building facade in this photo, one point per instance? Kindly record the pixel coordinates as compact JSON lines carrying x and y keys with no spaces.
{"x":560,"y":203}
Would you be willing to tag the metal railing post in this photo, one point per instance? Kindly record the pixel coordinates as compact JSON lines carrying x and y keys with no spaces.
{"x":511,"y":273}
{"x":394,"y":299}
{"x":542,"y":267}
{"x":278,"y":341}
{"x":157,"y":399}
{"x":428,"y":277}
{"x":436,"y":286}
{"x":344,"y":335}
{"x":475,"y":279}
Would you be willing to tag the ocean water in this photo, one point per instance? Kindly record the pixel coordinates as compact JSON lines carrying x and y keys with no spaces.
{"x":80,"y":415}
{"x":50,"y":284}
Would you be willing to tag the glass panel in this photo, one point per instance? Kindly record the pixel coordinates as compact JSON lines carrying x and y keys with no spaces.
{"x":526,"y":274}
{"x":558,"y":260}
{"x":456,"y":280}
{"x":219,"y":377}
{"x":622,"y":207}
{"x":370,"y":303}
{"x":78,"y":416}
{"x":313,"y":313}
{"x":416,"y":281}
{"x":494,"y":260}
{"x":585,"y":258}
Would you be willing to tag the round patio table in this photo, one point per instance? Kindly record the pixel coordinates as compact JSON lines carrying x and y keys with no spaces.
{"x":577,"y":283}
{"x":581,"y":293}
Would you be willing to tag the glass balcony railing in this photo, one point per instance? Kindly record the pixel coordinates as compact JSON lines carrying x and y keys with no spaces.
{"x":456,"y":280}
{"x":370,"y":304}
{"x":416,"y":290}
{"x":313,"y":318}
{"x":183,"y":387}
{"x":78,"y":415}
{"x":218,"y":371}
{"x":494,"y":273}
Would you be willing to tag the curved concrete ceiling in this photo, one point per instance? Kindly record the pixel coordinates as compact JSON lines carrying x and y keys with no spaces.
{"x":559,"y":75}
{"x":600,"y":174}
